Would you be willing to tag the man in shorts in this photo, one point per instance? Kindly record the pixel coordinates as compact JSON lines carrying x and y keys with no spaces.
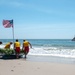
{"x":25,"y":47}
{"x":17,"y":48}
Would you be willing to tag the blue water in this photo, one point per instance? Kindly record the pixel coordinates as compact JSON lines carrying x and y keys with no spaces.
{"x":52,"y":47}
{"x":44,"y":42}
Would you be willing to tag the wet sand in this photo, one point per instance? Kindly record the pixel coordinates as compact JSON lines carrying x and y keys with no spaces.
{"x":37,"y":65}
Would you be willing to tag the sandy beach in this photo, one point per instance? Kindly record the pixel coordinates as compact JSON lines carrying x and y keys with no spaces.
{"x":27,"y":67}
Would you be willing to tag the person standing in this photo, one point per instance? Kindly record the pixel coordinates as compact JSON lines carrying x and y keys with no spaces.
{"x":17,"y":48}
{"x":25,"y":47}
{"x":7,"y":46}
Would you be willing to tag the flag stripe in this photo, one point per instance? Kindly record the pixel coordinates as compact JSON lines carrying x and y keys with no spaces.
{"x":8,"y":23}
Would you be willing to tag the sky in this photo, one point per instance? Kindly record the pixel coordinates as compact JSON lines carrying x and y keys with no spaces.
{"x":38,"y":19}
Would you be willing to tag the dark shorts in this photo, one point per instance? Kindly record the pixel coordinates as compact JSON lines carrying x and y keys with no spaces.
{"x":17,"y":49}
{"x":26,"y":49}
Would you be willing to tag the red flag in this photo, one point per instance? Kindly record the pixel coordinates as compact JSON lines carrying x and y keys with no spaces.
{"x":8,"y":23}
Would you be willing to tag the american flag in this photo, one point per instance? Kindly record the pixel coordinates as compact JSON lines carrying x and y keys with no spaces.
{"x":8,"y":23}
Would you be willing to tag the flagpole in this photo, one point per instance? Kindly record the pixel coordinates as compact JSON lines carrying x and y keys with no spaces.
{"x":13,"y":34}
{"x":8,"y":24}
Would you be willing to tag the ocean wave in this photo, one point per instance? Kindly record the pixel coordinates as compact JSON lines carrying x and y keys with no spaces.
{"x":53,"y":51}
{"x":50,"y":51}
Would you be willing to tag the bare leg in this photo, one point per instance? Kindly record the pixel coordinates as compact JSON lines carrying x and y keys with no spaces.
{"x":17,"y":55}
{"x":25,"y":54}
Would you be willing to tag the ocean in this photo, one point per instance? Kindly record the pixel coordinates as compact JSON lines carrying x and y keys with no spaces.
{"x":48,"y":47}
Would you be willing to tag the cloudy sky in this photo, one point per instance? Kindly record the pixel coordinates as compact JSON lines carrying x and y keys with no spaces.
{"x":38,"y":19}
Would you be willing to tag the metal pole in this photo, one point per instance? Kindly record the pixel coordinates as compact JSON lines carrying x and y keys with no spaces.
{"x":13,"y":34}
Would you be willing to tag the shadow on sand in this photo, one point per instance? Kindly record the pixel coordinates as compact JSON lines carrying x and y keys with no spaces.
{"x":6,"y":57}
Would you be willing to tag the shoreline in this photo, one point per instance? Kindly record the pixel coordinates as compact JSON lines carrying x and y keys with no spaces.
{"x":37,"y":65}
{"x":25,"y":67}
{"x":39,"y":58}
{"x":50,"y":59}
